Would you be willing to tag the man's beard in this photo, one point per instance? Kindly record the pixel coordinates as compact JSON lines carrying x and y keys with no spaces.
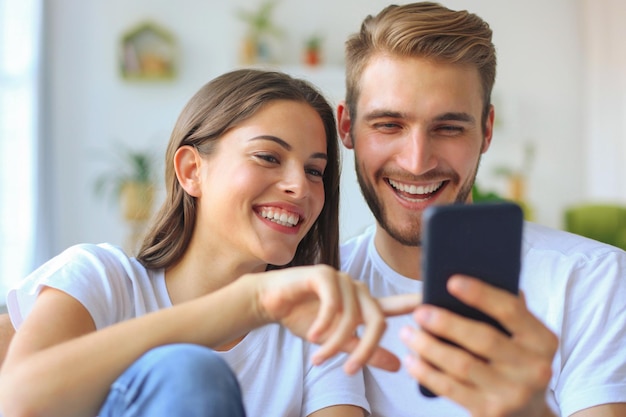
{"x":409,"y":234}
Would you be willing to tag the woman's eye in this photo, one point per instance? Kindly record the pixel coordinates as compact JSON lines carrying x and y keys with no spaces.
{"x":268,"y":158}
{"x":315,"y":172}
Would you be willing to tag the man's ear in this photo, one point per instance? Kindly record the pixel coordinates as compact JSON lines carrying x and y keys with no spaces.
{"x":187,"y":163}
{"x":344,"y":124}
{"x":488,"y":129}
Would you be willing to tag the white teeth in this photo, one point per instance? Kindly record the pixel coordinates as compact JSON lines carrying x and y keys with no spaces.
{"x":415,"y":189}
{"x":282,"y":217}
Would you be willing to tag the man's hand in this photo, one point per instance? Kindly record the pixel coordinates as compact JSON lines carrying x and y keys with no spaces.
{"x":493,"y":375}
{"x":325,"y":306}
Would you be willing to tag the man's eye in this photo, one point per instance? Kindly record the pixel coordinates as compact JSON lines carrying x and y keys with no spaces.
{"x":450,"y":129}
{"x":387,"y":126}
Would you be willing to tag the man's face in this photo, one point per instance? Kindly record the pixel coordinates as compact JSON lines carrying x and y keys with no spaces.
{"x":417,"y":138}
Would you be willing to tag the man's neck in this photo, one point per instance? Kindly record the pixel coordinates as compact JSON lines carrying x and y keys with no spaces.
{"x":405,"y":260}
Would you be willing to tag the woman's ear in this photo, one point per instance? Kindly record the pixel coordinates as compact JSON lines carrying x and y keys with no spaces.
{"x":187,"y":163}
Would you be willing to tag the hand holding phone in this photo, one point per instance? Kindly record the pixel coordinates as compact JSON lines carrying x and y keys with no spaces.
{"x":482,"y":240}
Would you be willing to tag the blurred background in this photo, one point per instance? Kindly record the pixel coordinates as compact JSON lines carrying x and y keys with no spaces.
{"x":82,"y":80}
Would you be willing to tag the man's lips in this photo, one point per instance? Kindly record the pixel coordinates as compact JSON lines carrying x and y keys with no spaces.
{"x":413,"y":192}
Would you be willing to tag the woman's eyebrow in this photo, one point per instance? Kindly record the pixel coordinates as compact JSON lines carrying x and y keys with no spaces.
{"x":287,"y":146}
{"x":273,"y":139}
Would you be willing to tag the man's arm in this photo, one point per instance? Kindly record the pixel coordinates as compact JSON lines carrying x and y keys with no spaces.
{"x":605,"y":410}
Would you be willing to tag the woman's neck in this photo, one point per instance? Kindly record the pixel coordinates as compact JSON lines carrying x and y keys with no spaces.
{"x":200,"y":272}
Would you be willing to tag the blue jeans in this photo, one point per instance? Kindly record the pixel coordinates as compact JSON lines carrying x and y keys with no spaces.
{"x":176,"y":380}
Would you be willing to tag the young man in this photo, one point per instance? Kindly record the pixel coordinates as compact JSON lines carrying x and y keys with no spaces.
{"x":418,"y":116}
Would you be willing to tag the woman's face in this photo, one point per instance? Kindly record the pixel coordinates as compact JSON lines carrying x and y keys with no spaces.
{"x":263,"y":188}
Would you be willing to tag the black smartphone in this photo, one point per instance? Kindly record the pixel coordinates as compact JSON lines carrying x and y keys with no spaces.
{"x":482,"y":240}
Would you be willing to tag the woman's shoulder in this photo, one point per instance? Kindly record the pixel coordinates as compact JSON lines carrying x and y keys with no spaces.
{"x":102,"y":277}
{"x":100,"y":252}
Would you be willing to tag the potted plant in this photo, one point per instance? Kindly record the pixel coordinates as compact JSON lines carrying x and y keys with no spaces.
{"x":312,"y":50}
{"x":131,"y":182}
{"x":261,"y":28}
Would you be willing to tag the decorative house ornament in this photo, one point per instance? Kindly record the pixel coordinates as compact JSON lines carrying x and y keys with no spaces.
{"x":148,"y":52}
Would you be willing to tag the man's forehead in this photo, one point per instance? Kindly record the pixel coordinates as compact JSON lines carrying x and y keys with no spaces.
{"x":401,"y":87}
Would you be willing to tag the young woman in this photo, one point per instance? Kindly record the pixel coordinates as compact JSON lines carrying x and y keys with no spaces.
{"x":252,"y":183}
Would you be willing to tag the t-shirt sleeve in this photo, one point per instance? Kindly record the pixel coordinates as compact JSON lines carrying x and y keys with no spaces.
{"x":92,"y":274}
{"x":327,"y":385}
{"x":593,"y":336}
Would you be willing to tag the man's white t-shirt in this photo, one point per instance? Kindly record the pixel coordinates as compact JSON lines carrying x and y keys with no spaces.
{"x":273,"y":366}
{"x":576,"y":286}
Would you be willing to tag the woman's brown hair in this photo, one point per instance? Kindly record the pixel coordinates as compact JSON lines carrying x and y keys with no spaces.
{"x":220,"y":105}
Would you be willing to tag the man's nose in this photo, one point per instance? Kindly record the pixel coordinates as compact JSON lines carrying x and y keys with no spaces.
{"x":416,"y":153}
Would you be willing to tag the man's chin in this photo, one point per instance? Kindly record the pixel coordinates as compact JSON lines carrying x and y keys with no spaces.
{"x":407,"y":236}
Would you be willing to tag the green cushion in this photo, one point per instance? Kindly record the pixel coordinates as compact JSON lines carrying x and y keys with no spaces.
{"x":603,"y":222}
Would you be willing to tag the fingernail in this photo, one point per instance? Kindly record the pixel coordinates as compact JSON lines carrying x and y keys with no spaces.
{"x":350,"y":368}
{"x":425,"y":315}
{"x":459,"y":282}
{"x":406,"y":335}
{"x":410,"y":361}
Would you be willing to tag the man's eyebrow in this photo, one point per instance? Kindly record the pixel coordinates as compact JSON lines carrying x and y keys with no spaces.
{"x":450,"y":116}
{"x":458,"y":117}
{"x":282,"y":143}
{"x":379,"y":114}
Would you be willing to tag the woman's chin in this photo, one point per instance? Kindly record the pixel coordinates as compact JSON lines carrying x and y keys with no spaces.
{"x":282,"y":259}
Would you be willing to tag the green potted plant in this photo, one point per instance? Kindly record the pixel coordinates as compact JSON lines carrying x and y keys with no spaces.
{"x":131,"y":182}
{"x":260,"y":29}
{"x":313,"y":50}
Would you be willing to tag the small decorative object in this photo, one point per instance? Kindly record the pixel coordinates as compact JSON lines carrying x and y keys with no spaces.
{"x":131,"y":182}
{"x":257,"y":42}
{"x":517,"y":179}
{"x":148,"y":52}
{"x":313,"y":50}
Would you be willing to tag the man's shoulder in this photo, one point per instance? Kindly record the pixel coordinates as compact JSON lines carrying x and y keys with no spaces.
{"x":566,"y":254}
{"x":546,"y":240}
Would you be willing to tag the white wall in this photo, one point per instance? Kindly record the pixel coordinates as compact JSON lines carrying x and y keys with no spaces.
{"x":538,"y":89}
{"x":605,"y":99}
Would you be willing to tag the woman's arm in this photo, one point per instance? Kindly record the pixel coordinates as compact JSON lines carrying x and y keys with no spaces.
{"x":68,"y":367}
{"x":6,"y":334}
{"x":339,"y":411}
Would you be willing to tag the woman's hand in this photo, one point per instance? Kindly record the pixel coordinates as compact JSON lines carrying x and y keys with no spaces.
{"x":326,"y":306}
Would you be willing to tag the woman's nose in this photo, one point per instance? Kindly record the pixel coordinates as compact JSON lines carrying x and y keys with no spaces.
{"x":295,"y":182}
